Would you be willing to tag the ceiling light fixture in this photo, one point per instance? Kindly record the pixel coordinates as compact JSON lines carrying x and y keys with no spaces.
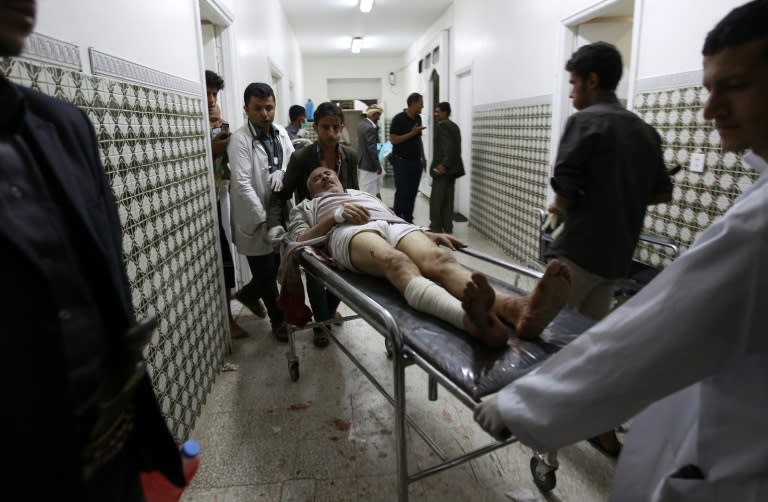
{"x":357,"y":44}
{"x":366,"y":5}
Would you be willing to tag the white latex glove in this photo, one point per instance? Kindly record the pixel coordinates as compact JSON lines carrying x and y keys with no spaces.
{"x":276,"y":234}
{"x":488,"y":415}
{"x":276,"y":180}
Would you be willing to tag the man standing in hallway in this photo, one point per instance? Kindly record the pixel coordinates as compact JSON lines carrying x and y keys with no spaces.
{"x":258,"y":155}
{"x":368,"y":165}
{"x":219,"y":132}
{"x":609,"y":168}
{"x":447,"y":165}
{"x":297,"y":115}
{"x":408,"y":160}
{"x":689,"y":352}
{"x":80,"y":416}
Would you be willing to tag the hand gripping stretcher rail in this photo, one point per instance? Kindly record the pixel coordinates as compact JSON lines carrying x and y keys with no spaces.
{"x":465,"y":367}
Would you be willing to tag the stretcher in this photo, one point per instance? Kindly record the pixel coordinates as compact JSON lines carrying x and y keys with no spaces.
{"x":463,"y":366}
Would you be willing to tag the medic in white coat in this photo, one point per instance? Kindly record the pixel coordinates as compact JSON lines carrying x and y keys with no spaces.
{"x":689,"y":351}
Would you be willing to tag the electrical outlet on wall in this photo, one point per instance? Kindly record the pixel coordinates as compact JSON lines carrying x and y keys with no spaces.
{"x":697,"y":163}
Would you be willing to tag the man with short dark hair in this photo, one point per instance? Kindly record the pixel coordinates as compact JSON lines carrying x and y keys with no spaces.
{"x":258,"y":155}
{"x":80,"y":416}
{"x":689,"y":352}
{"x":609,"y":167}
{"x":408,"y":160}
{"x":447,"y":165}
{"x":297,"y":115}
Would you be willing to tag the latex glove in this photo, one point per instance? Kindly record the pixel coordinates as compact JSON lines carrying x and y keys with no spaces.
{"x":276,"y":234}
{"x":276,"y":180}
{"x":488,"y":415}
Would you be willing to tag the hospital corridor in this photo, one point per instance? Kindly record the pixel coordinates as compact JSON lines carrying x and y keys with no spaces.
{"x":384,"y":250}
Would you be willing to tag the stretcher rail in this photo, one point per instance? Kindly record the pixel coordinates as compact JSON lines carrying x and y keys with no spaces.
{"x":408,"y":341}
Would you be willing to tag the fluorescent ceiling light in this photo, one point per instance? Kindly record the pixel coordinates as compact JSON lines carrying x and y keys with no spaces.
{"x":357,"y":44}
{"x":366,"y":5}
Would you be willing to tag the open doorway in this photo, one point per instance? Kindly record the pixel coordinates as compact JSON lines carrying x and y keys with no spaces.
{"x":611,"y":21}
{"x":463,"y":118}
{"x":218,"y":56}
{"x":431,"y":100}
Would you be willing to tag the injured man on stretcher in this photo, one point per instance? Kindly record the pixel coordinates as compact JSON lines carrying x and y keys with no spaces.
{"x":363,"y":235}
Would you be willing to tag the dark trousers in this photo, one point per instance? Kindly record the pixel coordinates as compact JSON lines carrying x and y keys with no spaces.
{"x":264,"y":283}
{"x":441,"y":204}
{"x":323,"y":302}
{"x":407,"y":178}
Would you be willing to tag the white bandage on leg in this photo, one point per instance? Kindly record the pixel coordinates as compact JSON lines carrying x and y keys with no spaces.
{"x":426,"y":296}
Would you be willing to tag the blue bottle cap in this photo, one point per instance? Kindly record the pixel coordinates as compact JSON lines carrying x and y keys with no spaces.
{"x":190,"y":448}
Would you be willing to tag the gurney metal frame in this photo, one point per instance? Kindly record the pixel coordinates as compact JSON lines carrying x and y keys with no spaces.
{"x":543,"y":464}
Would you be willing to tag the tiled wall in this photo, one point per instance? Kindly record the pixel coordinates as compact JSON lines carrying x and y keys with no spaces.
{"x":699,"y":198}
{"x":510,"y":166}
{"x":153,"y":148}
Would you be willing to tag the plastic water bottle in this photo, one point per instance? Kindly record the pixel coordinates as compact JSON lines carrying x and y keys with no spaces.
{"x":157,"y":488}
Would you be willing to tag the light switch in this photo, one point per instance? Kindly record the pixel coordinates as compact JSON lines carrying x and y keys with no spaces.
{"x":697,"y":163}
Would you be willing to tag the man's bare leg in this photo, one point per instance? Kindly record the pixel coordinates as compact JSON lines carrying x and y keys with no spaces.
{"x":530,"y":314}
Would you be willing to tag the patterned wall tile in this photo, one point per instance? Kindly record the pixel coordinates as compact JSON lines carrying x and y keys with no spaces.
{"x":699,"y":198}
{"x":510,"y":166}
{"x":153,"y":148}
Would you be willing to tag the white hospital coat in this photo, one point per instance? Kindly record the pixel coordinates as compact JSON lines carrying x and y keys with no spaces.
{"x":250,"y":190}
{"x":700,"y":326}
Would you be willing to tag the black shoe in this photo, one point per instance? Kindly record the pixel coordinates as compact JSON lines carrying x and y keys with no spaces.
{"x":280,"y":331}
{"x":320,"y":338}
{"x":256,"y":307}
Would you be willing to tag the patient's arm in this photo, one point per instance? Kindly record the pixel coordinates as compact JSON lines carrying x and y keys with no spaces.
{"x":349,"y":213}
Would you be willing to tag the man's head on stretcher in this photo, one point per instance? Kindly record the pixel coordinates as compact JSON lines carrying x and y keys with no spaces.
{"x":428,"y":276}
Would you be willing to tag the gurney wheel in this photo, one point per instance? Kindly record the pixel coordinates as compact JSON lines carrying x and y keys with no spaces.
{"x":388,"y":347}
{"x":293,"y":369}
{"x":544,"y":481}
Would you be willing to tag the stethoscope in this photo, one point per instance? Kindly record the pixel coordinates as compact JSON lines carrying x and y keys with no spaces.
{"x":277,"y":150}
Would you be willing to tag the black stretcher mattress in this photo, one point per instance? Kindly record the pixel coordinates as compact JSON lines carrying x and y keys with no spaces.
{"x":475,"y":368}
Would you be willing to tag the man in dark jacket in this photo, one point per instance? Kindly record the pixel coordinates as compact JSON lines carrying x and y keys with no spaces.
{"x":81,"y":418}
{"x":609,"y":167}
{"x":446,"y":167}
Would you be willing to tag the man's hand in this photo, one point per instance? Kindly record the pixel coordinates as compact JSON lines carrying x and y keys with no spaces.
{"x":220,"y":142}
{"x":354,"y":214}
{"x":440,"y":169}
{"x":276,"y":180}
{"x":488,"y":415}
{"x":446,"y":240}
{"x":276,"y":234}
{"x":417,"y":129}
{"x":560,"y":205}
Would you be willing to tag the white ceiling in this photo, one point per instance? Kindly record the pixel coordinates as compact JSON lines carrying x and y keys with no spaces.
{"x":326,"y":27}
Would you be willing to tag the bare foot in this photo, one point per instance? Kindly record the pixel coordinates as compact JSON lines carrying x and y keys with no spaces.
{"x":480,"y":319}
{"x":236,"y":331}
{"x":535,"y":311}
